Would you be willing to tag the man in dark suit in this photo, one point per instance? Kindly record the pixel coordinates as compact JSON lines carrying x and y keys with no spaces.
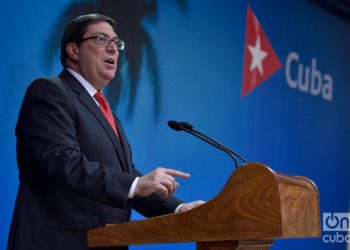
{"x":75,"y":165}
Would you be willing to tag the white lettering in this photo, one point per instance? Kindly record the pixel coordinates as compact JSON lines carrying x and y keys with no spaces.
{"x":316,"y":79}
{"x":308,"y":79}
{"x":327,"y":88}
{"x":336,"y":238}
{"x":304,"y":87}
{"x":324,"y":238}
{"x":291,"y":57}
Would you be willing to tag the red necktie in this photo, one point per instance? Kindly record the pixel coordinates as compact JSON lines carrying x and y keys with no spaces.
{"x":106,"y":110}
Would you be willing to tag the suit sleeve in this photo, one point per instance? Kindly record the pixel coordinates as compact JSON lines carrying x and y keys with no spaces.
{"x":155,"y":204}
{"x":47,"y":145}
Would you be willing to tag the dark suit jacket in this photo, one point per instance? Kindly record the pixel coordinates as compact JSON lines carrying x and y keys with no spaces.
{"x":74,"y":173}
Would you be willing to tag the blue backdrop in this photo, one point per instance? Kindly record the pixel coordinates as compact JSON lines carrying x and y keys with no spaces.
{"x":191,"y":68}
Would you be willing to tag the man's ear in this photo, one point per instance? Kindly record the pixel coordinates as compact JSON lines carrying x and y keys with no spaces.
{"x":73,"y":51}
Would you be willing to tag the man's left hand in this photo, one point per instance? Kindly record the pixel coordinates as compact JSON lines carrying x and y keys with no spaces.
{"x":190,"y":205}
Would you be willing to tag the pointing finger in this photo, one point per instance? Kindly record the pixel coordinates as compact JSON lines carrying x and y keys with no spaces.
{"x":176,"y":173}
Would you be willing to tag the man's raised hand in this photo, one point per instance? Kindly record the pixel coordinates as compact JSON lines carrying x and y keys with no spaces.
{"x":161,"y":180}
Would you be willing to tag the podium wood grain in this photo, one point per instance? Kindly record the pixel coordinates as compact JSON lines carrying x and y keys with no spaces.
{"x":256,"y":204}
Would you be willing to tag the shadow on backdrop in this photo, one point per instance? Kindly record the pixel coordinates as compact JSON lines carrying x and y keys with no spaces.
{"x":129,"y":16}
{"x":339,"y":8}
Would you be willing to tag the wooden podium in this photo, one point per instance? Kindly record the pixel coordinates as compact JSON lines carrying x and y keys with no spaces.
{"x":256,"y":206}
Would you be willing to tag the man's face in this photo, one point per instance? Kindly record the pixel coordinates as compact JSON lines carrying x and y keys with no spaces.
{"x":98,"y":63}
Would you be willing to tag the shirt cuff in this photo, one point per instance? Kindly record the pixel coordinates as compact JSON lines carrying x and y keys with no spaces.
{"x":132,"y":189}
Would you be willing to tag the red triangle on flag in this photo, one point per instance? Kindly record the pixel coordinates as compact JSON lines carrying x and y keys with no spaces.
{"x":260,"y":59}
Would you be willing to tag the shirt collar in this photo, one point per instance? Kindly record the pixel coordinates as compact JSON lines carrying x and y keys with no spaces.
{"x":88,"y":86}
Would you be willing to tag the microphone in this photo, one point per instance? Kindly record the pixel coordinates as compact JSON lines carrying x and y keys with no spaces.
{"x":187,"y":127}
{"x":175,"y":125}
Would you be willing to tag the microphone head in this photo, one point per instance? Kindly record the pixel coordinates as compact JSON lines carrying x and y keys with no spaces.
{"x":186,"y":125}
{"x":175,"y":125}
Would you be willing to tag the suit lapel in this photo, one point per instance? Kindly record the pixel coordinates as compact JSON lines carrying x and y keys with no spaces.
{"x":88,"y":101}
{"x":124,"y":143}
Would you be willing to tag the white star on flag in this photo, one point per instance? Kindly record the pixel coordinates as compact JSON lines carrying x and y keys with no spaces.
{"x":258,"y":55}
